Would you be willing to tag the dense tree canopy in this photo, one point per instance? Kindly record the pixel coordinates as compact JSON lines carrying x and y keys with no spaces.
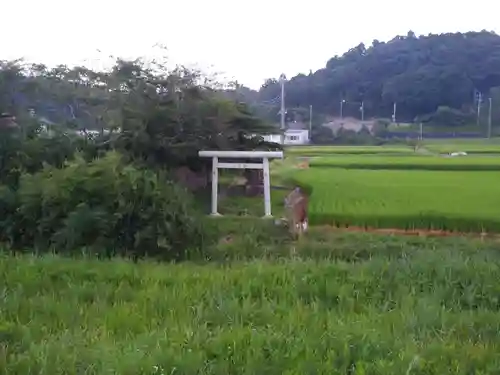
{"x":150,"y":113}
{"x":420,"y":74}
{"x":86,"y":158}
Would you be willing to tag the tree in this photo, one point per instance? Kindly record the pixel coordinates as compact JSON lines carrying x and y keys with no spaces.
{"x":419,"y":73}
{"x":158,"y":116}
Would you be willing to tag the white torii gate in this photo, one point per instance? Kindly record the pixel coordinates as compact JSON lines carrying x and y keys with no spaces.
{"x":264,"y":155}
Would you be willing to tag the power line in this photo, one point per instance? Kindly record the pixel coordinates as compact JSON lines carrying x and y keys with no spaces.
{"x":479,"y":101}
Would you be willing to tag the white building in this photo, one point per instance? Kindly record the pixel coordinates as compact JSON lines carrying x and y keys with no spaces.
{"x":296,"y":134}
{"x":296,"y":137}
{"x":275,"y":138}
{"x":290,"y":137}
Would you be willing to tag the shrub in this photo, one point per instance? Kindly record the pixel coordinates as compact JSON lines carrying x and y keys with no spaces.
{"x":351,"y":137}
{"x":105,"y":207}
{"x":27,"y":153}
{"x":446,"y":116}
{"x":322,"y":135}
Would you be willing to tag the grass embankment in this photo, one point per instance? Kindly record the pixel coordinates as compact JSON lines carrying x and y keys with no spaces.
{"x":371,"y":305}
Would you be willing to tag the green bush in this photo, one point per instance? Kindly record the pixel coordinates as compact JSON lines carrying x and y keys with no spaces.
{"x":25,"y":151}
{"x":446,"y":116}
{"x":104,"y":207}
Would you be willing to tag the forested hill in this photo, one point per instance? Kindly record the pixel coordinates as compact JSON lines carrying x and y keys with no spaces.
{"x":419,"y":73}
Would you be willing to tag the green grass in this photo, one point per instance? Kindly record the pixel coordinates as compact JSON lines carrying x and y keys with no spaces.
{"x":456,"y":201}
{"x":464,"y":163}
{"x":472,"y":146}
{"x":259,"y":303}
{"x":355,"y":150}
{"x":343,"y":304}
{"x":464,"y":141}
{"x":469,"y":148}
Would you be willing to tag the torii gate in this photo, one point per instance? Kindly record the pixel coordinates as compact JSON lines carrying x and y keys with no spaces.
{"x":264,"y":155}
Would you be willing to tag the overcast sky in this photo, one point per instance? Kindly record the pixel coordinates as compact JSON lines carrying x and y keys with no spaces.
{"x":248,"y":41}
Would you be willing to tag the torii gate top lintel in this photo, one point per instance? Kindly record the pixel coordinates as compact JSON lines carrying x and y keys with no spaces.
{"x":264,"y":155}
{"x":242,"y":154}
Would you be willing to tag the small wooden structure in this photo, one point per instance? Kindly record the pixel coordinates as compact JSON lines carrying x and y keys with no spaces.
{"x":263,"y":165}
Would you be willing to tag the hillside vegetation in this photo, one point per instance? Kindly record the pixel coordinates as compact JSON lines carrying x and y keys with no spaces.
{"x":419,"y":73}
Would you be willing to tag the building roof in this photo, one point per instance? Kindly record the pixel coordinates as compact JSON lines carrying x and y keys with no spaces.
{"x":7,"y":120}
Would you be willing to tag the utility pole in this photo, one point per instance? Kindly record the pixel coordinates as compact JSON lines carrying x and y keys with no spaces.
{"x":479,"y":101}
{"x":362,"y":109}
{"x":310,"y":119}
{"x":342,"y":101}
{"x":489,"y":118}
{"x":421,"y":131}
{"x":282,"y":110}
{"x":394,"y":112}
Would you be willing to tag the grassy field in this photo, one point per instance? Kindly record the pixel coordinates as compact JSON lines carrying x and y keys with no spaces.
{"x":422,"y":162}
{"x":341,"y":304}
{"x":456,"y":201}
{"x":259,"y":303}
{"x":353,"y":150}
{"x":412,"y":191}
{"x":471,"y":146}
{"x":465,"y":141}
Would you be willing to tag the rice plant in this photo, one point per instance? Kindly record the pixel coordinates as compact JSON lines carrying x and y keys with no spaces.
{"x":438,"y":163}
{"x":444,"y":200}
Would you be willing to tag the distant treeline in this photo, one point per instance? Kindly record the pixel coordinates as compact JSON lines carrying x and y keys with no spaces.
{"x":419,"y":73}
